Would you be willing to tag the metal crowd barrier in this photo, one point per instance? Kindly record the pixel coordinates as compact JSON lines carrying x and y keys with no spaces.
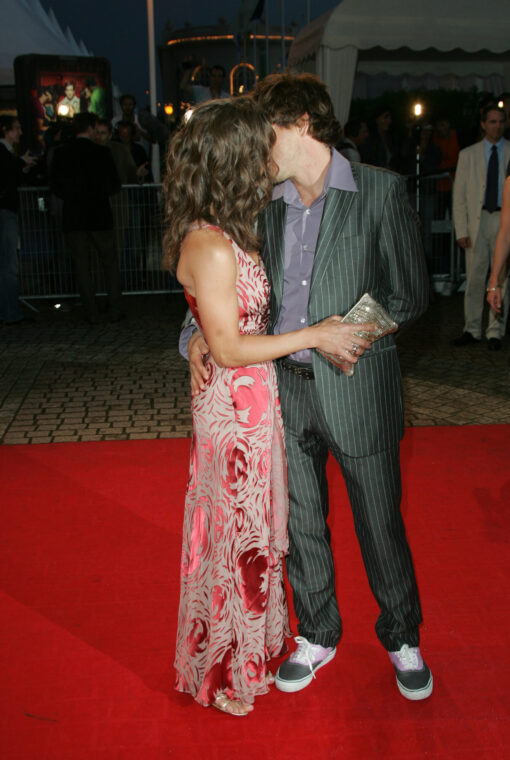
{"x":46,"y":269}
{"x":431,"y":196}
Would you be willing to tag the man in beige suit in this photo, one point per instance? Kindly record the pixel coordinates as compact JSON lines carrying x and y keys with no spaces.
{"x":477,"y":195}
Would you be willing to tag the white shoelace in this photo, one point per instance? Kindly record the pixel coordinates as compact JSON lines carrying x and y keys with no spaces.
{"x":304,"y":652}
{"x":408,"y":657}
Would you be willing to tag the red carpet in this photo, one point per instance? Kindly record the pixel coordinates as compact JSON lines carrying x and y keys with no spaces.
{"x":90,"y":555}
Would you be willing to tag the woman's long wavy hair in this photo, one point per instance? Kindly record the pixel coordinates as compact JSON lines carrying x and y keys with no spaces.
{"x":219,"y":170}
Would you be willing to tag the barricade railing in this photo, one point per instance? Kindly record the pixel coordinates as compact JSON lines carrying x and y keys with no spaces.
{"x":431,"y":196}
{"x":46,"y":269}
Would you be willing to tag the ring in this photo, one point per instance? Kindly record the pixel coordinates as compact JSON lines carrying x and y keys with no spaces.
{"x":354,"y":348}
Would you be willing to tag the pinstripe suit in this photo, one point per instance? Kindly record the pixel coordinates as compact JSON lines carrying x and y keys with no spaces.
{"x":368,"y":242}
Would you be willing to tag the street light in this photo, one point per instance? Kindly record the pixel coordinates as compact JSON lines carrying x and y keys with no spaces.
{"x":417,"y":110}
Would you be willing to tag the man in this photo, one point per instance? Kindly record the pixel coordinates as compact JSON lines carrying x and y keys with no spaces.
{"x":96,"y":96}
{"x":127,"y":170}
{"x":83,"y":174}
{"x":127,"y":104}
{"x":477,"y":197}
{"x":70,"y":100}
{"x":355,"y":135}
{"x":198,"y":93}
{"x":12,"y":168}
{"x":333,"y":232}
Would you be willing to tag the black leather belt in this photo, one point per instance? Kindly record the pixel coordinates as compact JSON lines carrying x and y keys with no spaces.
{"x":296,"y":368}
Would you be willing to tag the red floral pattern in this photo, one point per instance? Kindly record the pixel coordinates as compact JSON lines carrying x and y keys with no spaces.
{"x":233,"y":612}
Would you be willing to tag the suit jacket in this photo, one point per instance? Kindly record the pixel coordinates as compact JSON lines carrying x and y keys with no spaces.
{"x":469,"y":188}
{"x":369,"y":241}
{"x":83,"y":174}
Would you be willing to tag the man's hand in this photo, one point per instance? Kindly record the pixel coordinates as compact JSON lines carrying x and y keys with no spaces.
{"x":198,"y":351}
{"x":464,"y":242}
{"x":28,"y":158}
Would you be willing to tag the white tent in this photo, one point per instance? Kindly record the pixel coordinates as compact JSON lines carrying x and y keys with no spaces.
{"x":447,"y":43}
{"x":26,"y":28}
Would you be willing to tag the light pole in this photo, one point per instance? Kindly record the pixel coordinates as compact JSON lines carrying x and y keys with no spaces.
{"x":152,"y":87}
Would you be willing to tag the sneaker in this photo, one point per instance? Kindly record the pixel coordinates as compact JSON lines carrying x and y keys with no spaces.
{"x":414,"y":679}
{"x":299,"y":669}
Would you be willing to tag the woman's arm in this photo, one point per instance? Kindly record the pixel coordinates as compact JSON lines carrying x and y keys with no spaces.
{"x":208,"y":270}
{"x":501,"y":252}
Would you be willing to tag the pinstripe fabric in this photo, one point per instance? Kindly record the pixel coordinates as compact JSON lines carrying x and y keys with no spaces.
{"x":368,"y":242}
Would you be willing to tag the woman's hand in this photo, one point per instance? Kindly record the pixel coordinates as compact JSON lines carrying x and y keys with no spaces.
{"x":494,"y":297}
{"x":343,"y":339}
{"x":198,"y":351}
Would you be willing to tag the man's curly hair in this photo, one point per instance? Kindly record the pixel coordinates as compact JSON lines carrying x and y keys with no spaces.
{"x":286,"y":98}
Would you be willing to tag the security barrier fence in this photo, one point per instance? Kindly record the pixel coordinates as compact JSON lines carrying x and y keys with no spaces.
{"x":46,"y":269}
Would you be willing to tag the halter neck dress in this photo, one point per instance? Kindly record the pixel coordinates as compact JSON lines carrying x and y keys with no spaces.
{"x":233,"y":612}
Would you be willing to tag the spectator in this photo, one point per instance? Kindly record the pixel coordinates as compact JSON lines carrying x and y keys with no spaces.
{"x":445,"y":138}
{"x":472,"y":133}
{"x":129,"y":173}
{"x":126,"y":132}
{"x":198,"y":93}
{"x":381,"y":148}
{"x":355,"y":135}
{"x":127,"y":104}
{"x":11,"y":174}
{"x":477,"y":198}
{"x":83,"y":174}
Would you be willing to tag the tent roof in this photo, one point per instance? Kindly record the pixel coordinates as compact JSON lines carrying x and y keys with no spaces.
{"x":27,"y":28}
{"x":416,"y":24}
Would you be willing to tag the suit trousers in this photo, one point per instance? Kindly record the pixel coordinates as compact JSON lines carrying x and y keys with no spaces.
{"x":478,"y":264}
{"x":81,"y":245}
{"x":374,"y":488}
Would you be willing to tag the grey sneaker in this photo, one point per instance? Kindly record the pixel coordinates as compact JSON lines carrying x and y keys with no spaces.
{"x":298,"y":670}
{"x":414,"y":679}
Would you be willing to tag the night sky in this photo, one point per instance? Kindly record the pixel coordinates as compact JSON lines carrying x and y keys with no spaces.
{"x":117,"y":29}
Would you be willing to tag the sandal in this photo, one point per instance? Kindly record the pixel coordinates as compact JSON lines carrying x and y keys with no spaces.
{"x":231,"y":706}
{"x":270,"y":679}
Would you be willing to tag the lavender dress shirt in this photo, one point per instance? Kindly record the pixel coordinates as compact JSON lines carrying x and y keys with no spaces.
{"x":301,"y":234}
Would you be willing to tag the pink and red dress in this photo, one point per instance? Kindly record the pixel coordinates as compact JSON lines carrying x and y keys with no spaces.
{"x":233,"y":612}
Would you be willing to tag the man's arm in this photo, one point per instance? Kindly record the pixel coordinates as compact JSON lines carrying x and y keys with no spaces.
{"x":403,"y":270}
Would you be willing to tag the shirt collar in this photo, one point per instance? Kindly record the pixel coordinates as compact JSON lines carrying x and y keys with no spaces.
{"x":488,"y":145}
{"x":339,"y":177}
{"x":8,"y":145}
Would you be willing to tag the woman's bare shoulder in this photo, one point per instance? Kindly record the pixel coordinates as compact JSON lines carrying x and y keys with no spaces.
{"x":207,"y":242}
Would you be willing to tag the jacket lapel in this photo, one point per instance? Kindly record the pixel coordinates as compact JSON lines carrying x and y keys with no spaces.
{"x":336,"y":210}
{"x":274,"y":252}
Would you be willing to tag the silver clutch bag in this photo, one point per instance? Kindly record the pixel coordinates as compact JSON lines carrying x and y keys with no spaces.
{"x":365,"y":310}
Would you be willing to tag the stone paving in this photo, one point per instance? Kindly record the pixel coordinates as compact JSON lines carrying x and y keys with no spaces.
{"x":64,"y":380}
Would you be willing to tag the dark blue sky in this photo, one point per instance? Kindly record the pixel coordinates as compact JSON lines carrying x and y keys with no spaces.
{"x":117,"y":29}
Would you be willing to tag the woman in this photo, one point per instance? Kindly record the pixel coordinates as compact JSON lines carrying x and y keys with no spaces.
{"x":380,"y":149}
{"x":233,"y":614}
{"x":496,"y":286}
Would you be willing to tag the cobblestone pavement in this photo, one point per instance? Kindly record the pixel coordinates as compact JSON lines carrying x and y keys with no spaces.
{"x":64,"y":380}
